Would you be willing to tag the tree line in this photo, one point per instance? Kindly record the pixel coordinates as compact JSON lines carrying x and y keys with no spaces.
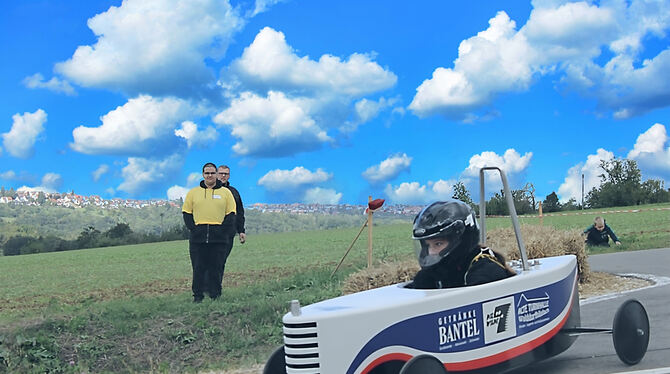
{"x":620,"y":185}
{"x":90,"y":237}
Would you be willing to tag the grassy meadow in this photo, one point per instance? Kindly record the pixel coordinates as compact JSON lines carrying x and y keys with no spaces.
{"x":128,"y":308}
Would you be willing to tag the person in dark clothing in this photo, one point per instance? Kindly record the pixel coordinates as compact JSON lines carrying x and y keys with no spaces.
{"x":209,"y":213}
{"x":599,"y":234}
{"x":224,"y":176}
{"x":447,"y":244}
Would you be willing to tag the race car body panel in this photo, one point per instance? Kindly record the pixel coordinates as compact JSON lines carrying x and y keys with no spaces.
{"x":491,"y":327}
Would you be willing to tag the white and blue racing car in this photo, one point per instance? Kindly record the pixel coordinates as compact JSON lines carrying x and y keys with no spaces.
{"x":488,"y":328}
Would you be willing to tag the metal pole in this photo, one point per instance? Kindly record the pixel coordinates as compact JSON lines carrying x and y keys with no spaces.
{"x":510,"y":206}
{"x":582,"y":191}
{"x":482,"y":208}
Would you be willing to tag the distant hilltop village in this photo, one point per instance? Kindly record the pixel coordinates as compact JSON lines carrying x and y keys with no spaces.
{"x":72,"y":200}
{"x":300,"y":208}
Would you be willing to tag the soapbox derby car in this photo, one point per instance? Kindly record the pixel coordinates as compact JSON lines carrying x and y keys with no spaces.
{"x":489,"y":328}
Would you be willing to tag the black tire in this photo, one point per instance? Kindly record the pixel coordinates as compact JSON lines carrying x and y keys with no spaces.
{"x":630,"y":332}
{"x":276,"y":364}
{"x":423,"y":364}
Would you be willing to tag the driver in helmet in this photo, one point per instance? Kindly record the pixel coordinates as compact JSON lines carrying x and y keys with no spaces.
{"x":447,"y":244}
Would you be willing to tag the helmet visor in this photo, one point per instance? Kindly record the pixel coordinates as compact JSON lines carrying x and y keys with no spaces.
{"x":430,"y":251}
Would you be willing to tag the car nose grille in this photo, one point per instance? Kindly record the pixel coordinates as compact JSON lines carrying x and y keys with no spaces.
{"x":301,"y":348}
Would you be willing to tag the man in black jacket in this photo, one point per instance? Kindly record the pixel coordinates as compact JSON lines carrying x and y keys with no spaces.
{"x":224,"y":176}
{"x":208,"y":212}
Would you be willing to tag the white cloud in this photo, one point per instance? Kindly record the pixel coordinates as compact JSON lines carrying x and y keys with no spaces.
{"x":193,"y":179}
{"x":54,"y":84}
{"x":189,"y":131}
{"x":271,"y":62}
{"x":280,"y":180}
{"x":141,"y":173}
{"x":511,"y":162}
{"x":35,"y":189}
{"x":11,"y":175}
{"x":157,"y":47}
{"x":563,"y":37}
{"x":572,"y":185}
{"x":318,"y":195}
{"x":8,"y":175}
{"x":20,"y":140}
{"x":366,"y":110}
{"x":283,"y":104}
{"x":175,"y":192}
{"x":263,"y":5}
{"x":415,"y":193}
{"x":493,"y":61}
{"x":271,"y":126}
{"x":652,"y":153}
{"x":387,"y":169}
{"x":99,"y":172}
{"x":143,"y":126}
{"x":52,"y":181}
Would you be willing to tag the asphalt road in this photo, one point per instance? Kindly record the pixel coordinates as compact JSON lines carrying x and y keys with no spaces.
{"x":595,"y":354}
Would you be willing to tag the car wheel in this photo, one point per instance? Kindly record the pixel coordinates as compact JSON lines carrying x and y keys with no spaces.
{"x":630,"y":332}
{"x":276,"y":364}
{"x":423,"y":364}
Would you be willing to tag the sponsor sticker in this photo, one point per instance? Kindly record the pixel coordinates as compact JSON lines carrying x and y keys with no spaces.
{"x":458,"y":328}
{"x":533,"y":310}
{"x":499,"y":319}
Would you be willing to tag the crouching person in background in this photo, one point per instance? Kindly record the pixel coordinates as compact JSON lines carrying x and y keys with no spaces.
{"x":599,"y":234}
{"x":209,"y":214}
{"x":447,"y":244}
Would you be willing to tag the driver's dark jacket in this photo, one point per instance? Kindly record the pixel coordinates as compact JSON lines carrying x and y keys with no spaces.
{"x":474,"y":267}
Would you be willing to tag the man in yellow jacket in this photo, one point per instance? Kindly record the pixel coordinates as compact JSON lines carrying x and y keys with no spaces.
{"x":209,"y":214}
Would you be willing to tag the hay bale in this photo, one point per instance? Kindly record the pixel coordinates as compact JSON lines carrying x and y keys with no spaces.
{"x":540,"y":241}
{"x":383,"y":274}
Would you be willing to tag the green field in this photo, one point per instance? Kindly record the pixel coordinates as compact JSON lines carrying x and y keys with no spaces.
{"x":128,"y":309}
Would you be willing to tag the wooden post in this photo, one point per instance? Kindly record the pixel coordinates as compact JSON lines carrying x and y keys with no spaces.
{"x":541,"y":217}
{"x":369,"y":232}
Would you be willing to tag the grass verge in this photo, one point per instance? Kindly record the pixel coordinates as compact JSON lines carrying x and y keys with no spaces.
{"x":163,"y":334}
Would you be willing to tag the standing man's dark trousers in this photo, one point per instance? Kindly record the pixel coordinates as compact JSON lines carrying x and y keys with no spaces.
{"x":226,"y":252}
{"x":206,"y":261}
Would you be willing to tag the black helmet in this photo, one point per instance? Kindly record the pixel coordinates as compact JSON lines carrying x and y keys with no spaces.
{"x":451,"y":220}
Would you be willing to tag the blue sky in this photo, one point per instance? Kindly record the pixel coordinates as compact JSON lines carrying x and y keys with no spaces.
{"x":331,"y":102}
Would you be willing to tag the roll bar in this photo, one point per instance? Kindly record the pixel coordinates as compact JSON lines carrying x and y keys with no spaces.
{"x":510,"y":206}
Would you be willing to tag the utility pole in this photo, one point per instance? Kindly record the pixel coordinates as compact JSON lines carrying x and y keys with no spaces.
{"x":582,"y":191}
